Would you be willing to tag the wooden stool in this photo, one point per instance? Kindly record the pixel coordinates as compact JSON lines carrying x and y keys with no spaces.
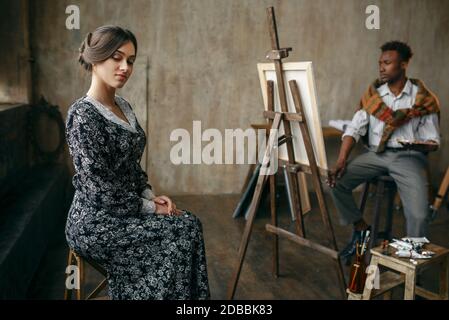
{"x":388,"y":282}
{"x":408,"y":272}
{"x":385,"y":187}
{"x":79,"y":262}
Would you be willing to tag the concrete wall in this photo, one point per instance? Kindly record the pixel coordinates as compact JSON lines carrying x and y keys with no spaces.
{"x":201,"y":57}
{"x":15,"y":75}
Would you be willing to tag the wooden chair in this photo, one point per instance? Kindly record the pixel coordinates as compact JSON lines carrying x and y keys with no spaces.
{"x":79,"y":262}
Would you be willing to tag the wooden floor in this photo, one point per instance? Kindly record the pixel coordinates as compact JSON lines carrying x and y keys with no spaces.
{"x":304,"y":274}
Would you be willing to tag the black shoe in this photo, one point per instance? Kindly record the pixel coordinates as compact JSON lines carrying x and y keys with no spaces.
{"x":349,"y":251}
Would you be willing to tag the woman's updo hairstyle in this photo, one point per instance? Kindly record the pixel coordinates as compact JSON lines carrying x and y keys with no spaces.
{"x":102,"y":43}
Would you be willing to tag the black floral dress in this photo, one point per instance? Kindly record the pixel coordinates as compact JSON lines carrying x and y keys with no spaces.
{"x":112,"y":219}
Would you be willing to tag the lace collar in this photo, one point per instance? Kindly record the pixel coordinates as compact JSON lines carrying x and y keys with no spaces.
{"x":111,"y":116}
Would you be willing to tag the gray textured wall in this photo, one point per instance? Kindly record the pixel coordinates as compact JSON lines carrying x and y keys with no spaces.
{"x":14,"y":54}
{"x":202,"y":57}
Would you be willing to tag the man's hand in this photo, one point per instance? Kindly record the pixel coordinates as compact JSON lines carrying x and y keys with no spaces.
{"x":336,"y":173}
{"x":340,"y":167}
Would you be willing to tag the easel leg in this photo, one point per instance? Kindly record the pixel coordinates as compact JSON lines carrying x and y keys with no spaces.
{"x":246,"y":235}
{"x":253,"y":207}
{"x":274,"y":221}
{"x":274,"y":217}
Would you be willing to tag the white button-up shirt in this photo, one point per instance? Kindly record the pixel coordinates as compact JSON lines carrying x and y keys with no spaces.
{"x":419,"y":128}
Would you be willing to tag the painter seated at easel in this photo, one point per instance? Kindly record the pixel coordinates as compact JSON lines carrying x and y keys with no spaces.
{"x":398,"y":118}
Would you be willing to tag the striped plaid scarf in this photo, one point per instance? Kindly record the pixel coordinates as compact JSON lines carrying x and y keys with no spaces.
{"x":425,"y":103}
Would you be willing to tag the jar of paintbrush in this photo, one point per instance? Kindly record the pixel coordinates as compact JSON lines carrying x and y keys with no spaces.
{"x":358,"y":269}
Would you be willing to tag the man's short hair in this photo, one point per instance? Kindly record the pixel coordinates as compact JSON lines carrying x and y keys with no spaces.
{"x":402,"y":48}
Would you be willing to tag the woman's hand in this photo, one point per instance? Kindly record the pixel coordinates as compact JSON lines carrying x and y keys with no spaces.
{"x":164,"y":200}
{"x":164,"y":205}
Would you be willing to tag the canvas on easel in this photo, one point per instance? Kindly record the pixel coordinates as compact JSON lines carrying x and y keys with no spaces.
{"x":302,"y":73}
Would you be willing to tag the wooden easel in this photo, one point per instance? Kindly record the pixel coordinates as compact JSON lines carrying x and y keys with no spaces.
{"x":275,"y":118}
